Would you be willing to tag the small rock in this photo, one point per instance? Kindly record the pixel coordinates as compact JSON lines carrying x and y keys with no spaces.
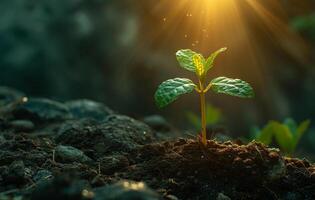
{"x":277,"y":170}
{"x":171,"y":197}
{"x":222,"y":196}
{"x":157,"y":123}
{"x":111,"y":164}
{"x":61,"y":188}
{"x":8,"y":95}
{"x":67,"y":154}
{"x":126,"y":190}
{"x":162,"y":129}
{"x":75,"y":125}
{"x":40,"y":109}
{"x":22,"y":125}
{"x":117,"y":133}
{"x":84,"y":108}
{"x":42,"y":175}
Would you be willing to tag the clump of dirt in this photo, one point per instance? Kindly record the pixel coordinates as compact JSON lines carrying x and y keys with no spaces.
{"x":190,"y":170}
{"x":182,"y":168}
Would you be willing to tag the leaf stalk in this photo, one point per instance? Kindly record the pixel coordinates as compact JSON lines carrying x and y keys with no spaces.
{"x":203,"y":112}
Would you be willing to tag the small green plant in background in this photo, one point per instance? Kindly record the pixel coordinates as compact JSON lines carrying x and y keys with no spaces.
{"x":287,"y":134}
{"x":171,"y":89}
{"x":305,"y":24}
{"x":213,"y":117}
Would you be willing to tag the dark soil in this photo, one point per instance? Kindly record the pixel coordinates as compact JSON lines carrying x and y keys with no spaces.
{"x":83,"y":150}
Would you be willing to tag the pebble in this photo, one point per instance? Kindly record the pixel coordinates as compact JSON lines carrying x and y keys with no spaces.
{"x":43,"y":110}
{"x":42,"y":175}
{"x":66,"y":154}
{"x":157,"y":123}
{"x":84,"y":108}
{"x":22,"y":125}
{"x":222,"y":196}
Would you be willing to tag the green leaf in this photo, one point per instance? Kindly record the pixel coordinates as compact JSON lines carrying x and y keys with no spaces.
{"x":303,"y":127}
{"x":266,"y":134}
{"x":300,"y":131}
{"x":171,"y":89}
{"x":185,"y":59}
{"x":234,"y":87}
{"x":284,"y":137}
{"x":212,"y":57}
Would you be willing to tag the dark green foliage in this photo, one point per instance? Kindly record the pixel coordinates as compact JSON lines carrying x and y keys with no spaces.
{"x":171,"y":89}
{"x":233,"y":87}
{"x":305,"y":25}
{"x":287,"y":134}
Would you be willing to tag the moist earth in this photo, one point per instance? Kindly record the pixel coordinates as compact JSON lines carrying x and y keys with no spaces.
{"x":81,"y":149}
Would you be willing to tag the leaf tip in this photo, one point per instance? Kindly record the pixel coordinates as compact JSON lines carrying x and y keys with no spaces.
{"x":223,"y":49}
{"x":251,"y":93}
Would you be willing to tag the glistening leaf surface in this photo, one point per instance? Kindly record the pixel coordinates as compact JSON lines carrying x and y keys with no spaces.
{"x":185,"y":59}
{"x":171,"y":89}
{"x":233,"y":87}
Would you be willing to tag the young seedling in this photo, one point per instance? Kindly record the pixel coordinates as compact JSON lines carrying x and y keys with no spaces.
{"x":171,"y":89}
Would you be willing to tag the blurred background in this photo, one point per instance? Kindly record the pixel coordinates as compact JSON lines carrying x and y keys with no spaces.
{"x":118,"y":51}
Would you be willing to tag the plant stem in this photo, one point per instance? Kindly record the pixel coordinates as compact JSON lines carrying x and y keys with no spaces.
{"x":203,"y":113}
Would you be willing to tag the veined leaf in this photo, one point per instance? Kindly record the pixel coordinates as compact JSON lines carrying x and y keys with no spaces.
{"x":234,"y":87}
{"x":171,"y":89}
{"x":212,"y":57}
{"x":185,"y":59}
{"x":199,"y":65}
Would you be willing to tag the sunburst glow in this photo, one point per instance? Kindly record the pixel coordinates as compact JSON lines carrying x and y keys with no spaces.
{"x":206,"y":25}
{"x":223,"y":22}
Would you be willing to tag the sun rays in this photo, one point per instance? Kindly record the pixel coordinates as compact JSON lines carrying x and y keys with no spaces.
{"x":281,"y":33}
{"x":205,"y":25}
{"x":213,"y":23}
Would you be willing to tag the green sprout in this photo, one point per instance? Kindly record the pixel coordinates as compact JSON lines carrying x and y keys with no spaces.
{"x":286,"y":134}
{"x":171,"y":89}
